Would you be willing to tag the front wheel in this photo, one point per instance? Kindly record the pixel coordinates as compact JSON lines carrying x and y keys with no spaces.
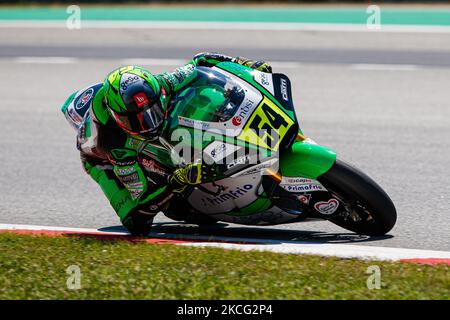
{"x":368,"y":209}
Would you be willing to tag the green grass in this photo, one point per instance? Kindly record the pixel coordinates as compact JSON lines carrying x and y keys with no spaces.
{"x":34,"y":267}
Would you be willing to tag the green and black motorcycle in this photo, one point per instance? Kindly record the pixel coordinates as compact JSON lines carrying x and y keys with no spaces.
{"x":244,"y":122}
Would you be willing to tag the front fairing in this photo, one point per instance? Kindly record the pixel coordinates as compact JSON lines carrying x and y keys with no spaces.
{"x":227,"y":104}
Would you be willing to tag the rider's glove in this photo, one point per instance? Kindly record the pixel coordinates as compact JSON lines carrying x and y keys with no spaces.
{"x":192,"y":174}
{"x":209,"y":59}
{"x":257,"y":65}
{"x":139,"y":221}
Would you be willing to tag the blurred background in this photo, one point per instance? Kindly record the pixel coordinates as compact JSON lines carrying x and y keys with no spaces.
{"x":369,"y":80}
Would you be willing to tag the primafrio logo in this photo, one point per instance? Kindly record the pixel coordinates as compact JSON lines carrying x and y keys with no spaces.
{"x":225,"y":196}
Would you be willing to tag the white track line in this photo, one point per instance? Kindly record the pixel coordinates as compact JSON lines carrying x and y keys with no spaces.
{"x":178,"y":62}
{"x":335,"y":250}
{"x":206,"y":25}
{"x":12,"y":227}
{"x":246,"y":244}
{"x":153,"y":62}
{"x":45,"y":60}
{"x":384,"y":67}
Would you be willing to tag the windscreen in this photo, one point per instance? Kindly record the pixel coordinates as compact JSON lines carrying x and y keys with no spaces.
{"x":211,"y":96}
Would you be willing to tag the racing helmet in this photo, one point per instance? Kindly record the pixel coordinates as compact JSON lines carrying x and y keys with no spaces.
{"x":134,"y":99}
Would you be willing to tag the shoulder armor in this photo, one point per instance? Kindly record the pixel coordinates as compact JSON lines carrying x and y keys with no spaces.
{"x":77,"y":105}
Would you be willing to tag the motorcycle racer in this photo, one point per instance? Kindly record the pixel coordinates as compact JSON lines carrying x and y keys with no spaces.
{"x":114,"y":117}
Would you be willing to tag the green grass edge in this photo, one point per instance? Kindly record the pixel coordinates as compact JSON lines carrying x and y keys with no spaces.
{"x":41,"y":267}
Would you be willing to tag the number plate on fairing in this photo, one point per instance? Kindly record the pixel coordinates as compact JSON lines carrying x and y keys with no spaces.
{"x":267,"y":126}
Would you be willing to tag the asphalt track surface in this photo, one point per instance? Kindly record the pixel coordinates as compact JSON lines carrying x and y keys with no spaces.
{"x":382,"y":104}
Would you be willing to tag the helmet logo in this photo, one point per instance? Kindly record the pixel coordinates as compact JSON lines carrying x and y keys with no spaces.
{"x":140,"y":99}
{"x":127,"y":80}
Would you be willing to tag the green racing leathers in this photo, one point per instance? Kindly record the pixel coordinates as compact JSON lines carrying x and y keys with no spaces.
{"x":110,"y":155}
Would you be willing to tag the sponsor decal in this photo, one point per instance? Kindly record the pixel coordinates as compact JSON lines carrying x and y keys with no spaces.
{"x":75,"y":117}
{"x":243,"y":112}
{"x":304,"y":187}
{"x":84,"y":99}
{"x":283,"y":88}
{"x":135,"y":193}
{"x":135,"y":185}
{"x":153,"y":166}
{"x":240,"y":160}
{"x":257,"y":168}
{"x":236,"y":121}
{"x":327,"y":207}
{"x":122,"y":163}
{"x":135,"y":189}
{"x":298,"y":184}
{"x":304,"y":198}
{"x":127,"y":80}
{"x":125,"y":171}
{"x":218,"y":150}
{"x":265,"y":80}
{"x":295,"y":181}
{"x":140,"y":99}
{"x":130,"y":178}
{"x":227,"y":195}
{"x":193,"y":123}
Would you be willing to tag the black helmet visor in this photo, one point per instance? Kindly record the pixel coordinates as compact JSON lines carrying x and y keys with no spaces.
{"x":149,"y":120}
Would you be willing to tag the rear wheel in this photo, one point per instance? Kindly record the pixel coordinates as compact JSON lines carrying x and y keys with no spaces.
{"x":368,"y":209}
